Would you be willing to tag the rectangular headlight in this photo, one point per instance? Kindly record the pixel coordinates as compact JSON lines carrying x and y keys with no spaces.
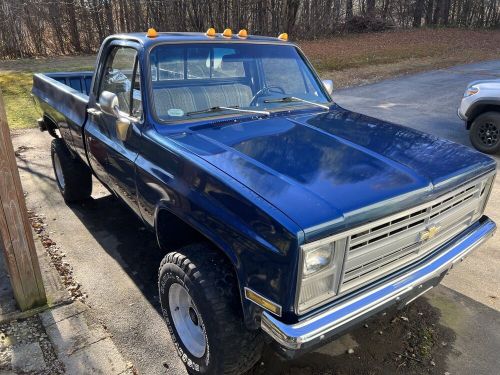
{"x":319,"y":273}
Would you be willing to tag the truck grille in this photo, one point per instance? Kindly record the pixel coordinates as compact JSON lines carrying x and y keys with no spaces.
{"x":386,"y":245}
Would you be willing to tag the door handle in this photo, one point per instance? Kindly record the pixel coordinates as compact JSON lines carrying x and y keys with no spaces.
{"x":93,"y":111}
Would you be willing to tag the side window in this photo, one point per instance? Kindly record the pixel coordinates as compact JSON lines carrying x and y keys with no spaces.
{"x":122,"y":77}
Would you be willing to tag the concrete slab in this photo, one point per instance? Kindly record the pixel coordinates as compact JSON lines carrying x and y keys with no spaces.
{"x":54,"y":289}
{"x":28,"y":358}
{"x":476,"y":327}
{"x":81,"y":342}
{"x":75,"y":333}
{"x":58,"y":314}
{"x":102,"y":357}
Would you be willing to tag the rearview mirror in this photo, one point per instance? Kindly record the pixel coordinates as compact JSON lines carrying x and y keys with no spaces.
{"x":109,"y":104}
{"x":328,"y":85}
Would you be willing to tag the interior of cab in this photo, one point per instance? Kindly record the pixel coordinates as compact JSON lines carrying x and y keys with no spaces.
{"x":193,"y":77}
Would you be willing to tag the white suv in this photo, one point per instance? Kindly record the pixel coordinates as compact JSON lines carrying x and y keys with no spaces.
{"x":480,"y":109}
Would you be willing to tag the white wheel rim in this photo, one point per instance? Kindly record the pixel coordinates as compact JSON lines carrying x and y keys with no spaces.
{"x":58,"y":170}
{"x":187,"y":320}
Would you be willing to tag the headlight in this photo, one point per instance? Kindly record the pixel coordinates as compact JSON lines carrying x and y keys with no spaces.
{"x":473,"y":90}
{"x":320,"y":272}
{"x":318,"y":259}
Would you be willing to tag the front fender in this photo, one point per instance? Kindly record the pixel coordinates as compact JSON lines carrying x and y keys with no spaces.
{"x":261,"y":247}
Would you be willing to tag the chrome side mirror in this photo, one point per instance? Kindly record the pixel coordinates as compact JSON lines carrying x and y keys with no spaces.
{"x":109,"y":104}
{"x":328,"y":85}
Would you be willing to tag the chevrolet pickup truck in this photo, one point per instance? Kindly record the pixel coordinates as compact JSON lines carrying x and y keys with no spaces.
{"x":284,"y":218}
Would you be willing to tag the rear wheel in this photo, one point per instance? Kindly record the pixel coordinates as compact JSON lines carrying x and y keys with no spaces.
{"x":73,"y":177}
{"x":201,"y":305}
{"x":485,"y":132}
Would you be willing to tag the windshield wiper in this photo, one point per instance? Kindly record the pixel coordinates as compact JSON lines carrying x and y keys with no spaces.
{"x":290,"y":99}
{"x":232,"y":108}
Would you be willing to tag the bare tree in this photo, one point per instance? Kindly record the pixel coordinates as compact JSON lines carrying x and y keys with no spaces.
{"x":42,"y":27}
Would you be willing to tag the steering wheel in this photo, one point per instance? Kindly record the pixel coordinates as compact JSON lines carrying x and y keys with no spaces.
{"x":262,"y":91}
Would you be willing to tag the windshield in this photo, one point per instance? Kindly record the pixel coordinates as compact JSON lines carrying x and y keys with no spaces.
{"x":202,"y":80}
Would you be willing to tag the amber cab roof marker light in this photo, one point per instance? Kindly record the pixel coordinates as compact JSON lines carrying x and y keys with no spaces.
{"x":228,"y":33}
{"x":211,"y":32}
{"x":243,"y":33}
{"x":152,"y":33}
{"x":283,"y":36}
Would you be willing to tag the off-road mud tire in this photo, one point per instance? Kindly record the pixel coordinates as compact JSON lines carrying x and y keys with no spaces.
{"x":211,"y":283}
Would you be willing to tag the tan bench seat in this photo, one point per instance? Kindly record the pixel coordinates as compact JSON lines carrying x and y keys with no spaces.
{"x":195,"y":98}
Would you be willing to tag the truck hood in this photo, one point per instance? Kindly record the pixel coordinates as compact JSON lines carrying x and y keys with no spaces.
{"x":337,"y":169}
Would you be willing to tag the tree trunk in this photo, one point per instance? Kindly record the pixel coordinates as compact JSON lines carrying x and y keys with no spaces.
{"x":417,"y":14}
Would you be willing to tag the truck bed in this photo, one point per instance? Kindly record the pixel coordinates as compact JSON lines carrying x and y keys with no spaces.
{"x":63,"y":98}
{"x":80,"y":81}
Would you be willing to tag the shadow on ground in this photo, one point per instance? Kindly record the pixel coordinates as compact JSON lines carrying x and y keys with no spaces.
{"x":408,"y":341}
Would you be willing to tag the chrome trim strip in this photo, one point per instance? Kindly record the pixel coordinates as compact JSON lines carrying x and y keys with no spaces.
{"x":316,"y":328}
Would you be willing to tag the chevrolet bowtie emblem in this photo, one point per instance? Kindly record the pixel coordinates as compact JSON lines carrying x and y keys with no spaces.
{"x":429,"y":233}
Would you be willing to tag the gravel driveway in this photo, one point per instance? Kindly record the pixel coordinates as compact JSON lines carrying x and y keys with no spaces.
{"x":455,"y":328}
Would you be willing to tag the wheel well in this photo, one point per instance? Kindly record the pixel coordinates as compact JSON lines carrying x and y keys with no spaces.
{"x":482,"y":108}
{"x":51,"y":126}
{"x":174,"y":233}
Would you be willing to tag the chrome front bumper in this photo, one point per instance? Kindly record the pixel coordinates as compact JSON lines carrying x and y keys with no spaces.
{"x":338,"y":319}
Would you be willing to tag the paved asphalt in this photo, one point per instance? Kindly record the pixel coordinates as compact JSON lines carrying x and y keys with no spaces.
{"x":116,"y":259}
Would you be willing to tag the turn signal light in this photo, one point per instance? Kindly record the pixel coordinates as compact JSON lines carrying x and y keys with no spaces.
{"x":152,"y":33}
{"x":211,"y":32}
{"x":227,"y":33}
{"x":283,"y":36}
{"x":263,"y":302}
{"x":242,"y":33}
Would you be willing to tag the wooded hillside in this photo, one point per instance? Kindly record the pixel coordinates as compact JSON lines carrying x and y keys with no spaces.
{"x":47,"y":27}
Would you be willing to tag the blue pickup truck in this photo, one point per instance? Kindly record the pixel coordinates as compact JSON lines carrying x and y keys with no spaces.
{"x":284,"y":217}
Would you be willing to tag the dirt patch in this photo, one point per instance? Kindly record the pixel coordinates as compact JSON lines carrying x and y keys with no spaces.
{"x":360,"y":59}
{"x":410,"y":341}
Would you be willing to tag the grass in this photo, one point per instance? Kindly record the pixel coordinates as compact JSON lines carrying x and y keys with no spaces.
{"x":16,"y":78}
{"x":21,"y":111}
{"x":348,"y":60}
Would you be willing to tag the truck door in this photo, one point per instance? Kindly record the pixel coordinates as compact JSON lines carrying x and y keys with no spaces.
{"x":113,"y":158}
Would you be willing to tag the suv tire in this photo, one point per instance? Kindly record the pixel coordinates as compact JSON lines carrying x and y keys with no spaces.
{"x":73,"y":177}
{"x":196,"y":283}
{"x":485,"y":132}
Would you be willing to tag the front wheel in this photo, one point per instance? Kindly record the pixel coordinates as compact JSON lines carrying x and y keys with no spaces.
{"x":201,"y":306}
{"x":485,"y":132}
